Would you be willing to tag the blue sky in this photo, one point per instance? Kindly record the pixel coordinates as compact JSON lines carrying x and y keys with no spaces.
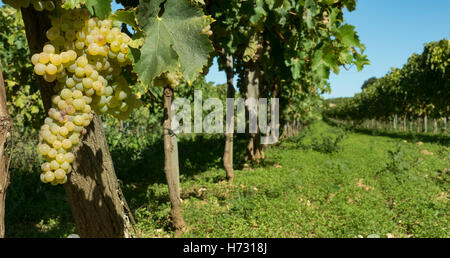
{"x":392,"y":30}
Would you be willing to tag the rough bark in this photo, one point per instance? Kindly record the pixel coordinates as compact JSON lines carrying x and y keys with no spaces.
{"x":252,"y":73}
{"x":404,"y":124}
{"x":425,"y":123}
{"x":435,"y":126}
{"x":418,"y":125}
{"x":5,"y":128}
{"x":228,"y":152}
{"x":93,"y":192}
{"x":395,"y":122}
{"x":171,"y":165}
{"x":96,"y":200}
{"x":445,"y":126}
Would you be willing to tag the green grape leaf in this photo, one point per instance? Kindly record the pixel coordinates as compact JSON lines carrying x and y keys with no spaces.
{"x":348,"y":36}
{"x":126,"y":16}
{"x":173,"y":39}
{"x":99,"y":8}
{"x":361,"y":61}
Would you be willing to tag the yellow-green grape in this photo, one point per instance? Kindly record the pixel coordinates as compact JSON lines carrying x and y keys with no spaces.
{"x":54,"y":129}
{"x":50,"y":139}
{"x":76,"y":94}
{"x":97,"y":85}
{"x":82,"y":61}
{"x":42,"y":178}
{"x":39,"y":69}
{"x":78,"y":104}
{"x":54,"y":164}
{"x":65,"y":165}
{"x":87,"y":99}
{"x":62,"y":105}
{"x":69,"y":157}
{"x":49,"y":176}
{"x":53,"y":33}
{"x":66,"y":144}
{"x":43,"y":149}
{"x":49,"y":77}
{"x":35,"y":59}
{"x":57,"y":145}
{"x":49,"y":49}
{"x":44,"y":58}
{"x":78,"y":120}
{"x":60,"y":174}
{"x":88,"y":69}
{"x":56,"y":60}
{"x":79,"y":72}
{"x":87,"y":109}
{"x":69,"y":126}
{"x":121,"y":57}
{"x":65,"y":57}
{"x":51,"y":69}
{"x":72,"y":55}
{"x":46,"y":167}
{"x":52,"y":153}
{"x":88,"y":83}
{"x":66,"y":94}
{"x":60,"y":158}
{"x":90,"y":92}
{"x":63,"y":131}
{"x":74,"y":138}
{"x":70,"y":110}
{"x":93,"y":49}
{"x":70,"y":83}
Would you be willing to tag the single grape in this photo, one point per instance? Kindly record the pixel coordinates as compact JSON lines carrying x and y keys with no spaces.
{"x":49,"y":176}
{"x":46,"y":167}
{"x":51,"y":69}
{"x":54,"y":164}
{"x":69,"y":157}
{"x":52,"y":153}
{"x":60,"y":158}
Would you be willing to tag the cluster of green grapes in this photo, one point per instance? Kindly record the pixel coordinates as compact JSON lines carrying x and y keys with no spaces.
{"x":207,"y":30}
{"x":39,"y":5}
{"x":84,"y":57}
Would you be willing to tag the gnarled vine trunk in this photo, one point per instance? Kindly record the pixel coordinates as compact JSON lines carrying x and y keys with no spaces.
{"x":252,"y":73}
{"x":425,"y":123}
{"x":5,"y":127}
{"x":171,"y":164}
{"x":435,"y":126}
{"x":418,"y":125}
{"x":445,"y":125}
{"x":96,"y":200}
{"x":228,"y":152}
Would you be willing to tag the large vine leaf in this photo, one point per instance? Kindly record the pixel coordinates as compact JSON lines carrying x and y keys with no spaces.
{"x":173,"y":39}
{"x":101,"y":8}
{"x":126,"y":16}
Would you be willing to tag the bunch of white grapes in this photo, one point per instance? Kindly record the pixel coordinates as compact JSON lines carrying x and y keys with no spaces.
{"x":84,"y":57}
{"x":39,"y":5}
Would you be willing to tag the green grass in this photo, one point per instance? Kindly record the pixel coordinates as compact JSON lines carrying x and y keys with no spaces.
{"x":370,"y":184}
